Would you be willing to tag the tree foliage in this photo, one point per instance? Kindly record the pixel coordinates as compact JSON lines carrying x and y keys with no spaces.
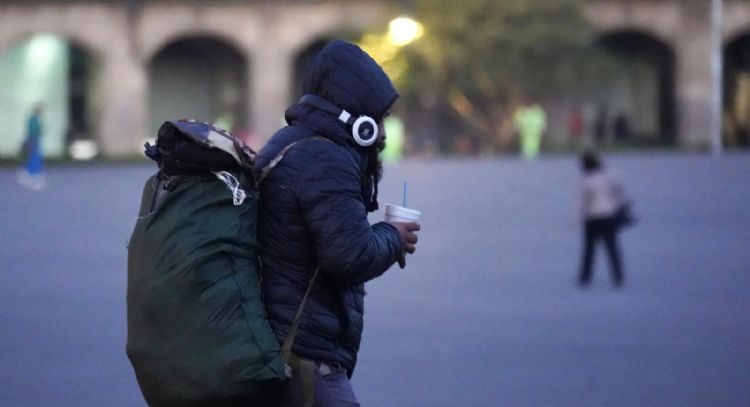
{"x":478,"y":57}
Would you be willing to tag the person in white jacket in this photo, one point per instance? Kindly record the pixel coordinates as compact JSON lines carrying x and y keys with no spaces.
{"x":602,"y":196}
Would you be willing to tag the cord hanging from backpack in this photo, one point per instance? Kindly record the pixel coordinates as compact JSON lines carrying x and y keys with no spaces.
{"x":238,"y":194}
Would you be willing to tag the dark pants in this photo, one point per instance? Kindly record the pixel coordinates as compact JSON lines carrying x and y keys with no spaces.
{"x":605,"y":230}
{"x":332,"y":389}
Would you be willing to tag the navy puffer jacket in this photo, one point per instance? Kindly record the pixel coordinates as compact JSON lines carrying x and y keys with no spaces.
{"x":313,"y":211}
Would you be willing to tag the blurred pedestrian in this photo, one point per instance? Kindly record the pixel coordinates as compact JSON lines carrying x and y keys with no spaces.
{"x":530,"y":121}
{"x":601,"y":201}
{"x":31,"y":175}
{"x":394,"y":149}
{"x":225,"y":121}
{"x":621,"y":127}
{"x":600,"y":125}
{"x":575,"y":126}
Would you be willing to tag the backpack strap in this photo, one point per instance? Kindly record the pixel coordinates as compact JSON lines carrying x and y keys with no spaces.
{"x":286,"y":348}
{"x":280,"y":156}
{"x":306,"y":367}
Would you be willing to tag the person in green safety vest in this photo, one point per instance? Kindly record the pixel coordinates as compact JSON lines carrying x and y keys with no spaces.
{"x":394,"y":149}
{"x":530,"y":121}
{"x":225,"y":121}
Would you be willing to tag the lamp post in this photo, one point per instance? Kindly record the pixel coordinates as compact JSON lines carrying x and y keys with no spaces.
{"x":717,"y":67}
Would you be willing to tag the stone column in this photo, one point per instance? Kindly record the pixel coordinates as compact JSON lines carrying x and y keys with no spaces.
{"x":269,"y":88}
{"x":123,"y":128}
{"x":694,"y":83}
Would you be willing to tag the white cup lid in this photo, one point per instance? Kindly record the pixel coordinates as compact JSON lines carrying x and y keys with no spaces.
{"x":397,"y":211}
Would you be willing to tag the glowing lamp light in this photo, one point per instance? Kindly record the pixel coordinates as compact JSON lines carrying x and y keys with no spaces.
{"x":83,"y":150}
{"x":404,"y":30}
{"x":42,"y":49}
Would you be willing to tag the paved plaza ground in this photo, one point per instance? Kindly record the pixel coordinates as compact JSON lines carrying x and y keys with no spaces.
{"x":486,"y":313}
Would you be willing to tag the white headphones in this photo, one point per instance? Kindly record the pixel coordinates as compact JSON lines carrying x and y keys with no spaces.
{"x":364,"y":128}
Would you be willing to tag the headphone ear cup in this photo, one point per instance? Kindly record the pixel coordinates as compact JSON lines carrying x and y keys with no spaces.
{"x":365,"y":131}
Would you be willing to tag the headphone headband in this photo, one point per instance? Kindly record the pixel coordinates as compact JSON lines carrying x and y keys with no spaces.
{"x":326,"y":106}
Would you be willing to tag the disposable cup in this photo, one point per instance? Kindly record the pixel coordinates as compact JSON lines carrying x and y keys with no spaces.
{"x":396,"y":213}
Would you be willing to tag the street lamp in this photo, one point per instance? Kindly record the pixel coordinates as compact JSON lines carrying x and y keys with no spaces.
{"x":404,"y":30}
{"x":717,"y":66}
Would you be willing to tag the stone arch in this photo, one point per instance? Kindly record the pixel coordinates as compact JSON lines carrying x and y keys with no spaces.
{"x":736,"y":124}
{"x":69,"y":85}
{"x":345,"y":22}
{"x":735,"y":18}
{"x":305,"y":51}
{"x":200,"y":77}
{"x":71,"y":34}
{"x":151,"y":48}
{"x":644,"y":93}
{"x":302,"y":58}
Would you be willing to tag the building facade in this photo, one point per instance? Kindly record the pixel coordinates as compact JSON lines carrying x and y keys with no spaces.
{"x":235,"y":61}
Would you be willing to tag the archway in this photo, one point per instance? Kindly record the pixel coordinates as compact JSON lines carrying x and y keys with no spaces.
{"x":301,"y":62}
{"x":199,"y":78}
{"x":307,"y":54}
{"x":62,"y":76}
{"x":737,"y":91}
{"x":639,"y":105}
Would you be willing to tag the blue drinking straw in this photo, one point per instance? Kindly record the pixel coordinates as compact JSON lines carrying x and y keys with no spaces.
{"x":404,"y":205}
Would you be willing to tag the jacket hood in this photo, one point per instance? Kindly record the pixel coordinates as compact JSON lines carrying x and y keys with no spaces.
{"x":345,"y":75}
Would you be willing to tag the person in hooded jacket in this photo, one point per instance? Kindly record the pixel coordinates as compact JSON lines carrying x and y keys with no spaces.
{"x":313,"y":214}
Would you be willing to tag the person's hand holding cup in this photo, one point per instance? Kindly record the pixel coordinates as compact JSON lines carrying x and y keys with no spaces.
{"x":405,"y":220}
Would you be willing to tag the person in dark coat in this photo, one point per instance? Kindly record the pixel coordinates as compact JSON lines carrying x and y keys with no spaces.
{"x":313,"y":213}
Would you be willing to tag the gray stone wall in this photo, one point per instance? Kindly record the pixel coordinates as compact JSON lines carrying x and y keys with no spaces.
{"x":269,"y":35}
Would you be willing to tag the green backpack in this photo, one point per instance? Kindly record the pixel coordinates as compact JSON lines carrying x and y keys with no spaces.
{"x":198,"y":334}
